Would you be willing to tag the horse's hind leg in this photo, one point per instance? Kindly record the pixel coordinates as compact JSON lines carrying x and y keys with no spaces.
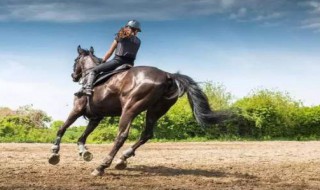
{"x":77,"y":111}
{"x":131,"y":110}
{"x":124,"y":127}
{"x":83,"y":152}
{"x":153,"y":115}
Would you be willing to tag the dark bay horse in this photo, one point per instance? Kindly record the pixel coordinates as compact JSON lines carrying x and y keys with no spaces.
{"x":127,"y":94}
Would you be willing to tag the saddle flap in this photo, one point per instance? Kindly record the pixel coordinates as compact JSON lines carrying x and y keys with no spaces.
{"x":104,"y":76}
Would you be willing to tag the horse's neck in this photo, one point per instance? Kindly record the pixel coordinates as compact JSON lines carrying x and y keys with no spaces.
{"x":88,"y":63}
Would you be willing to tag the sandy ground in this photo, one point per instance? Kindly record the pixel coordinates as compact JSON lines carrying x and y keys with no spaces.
{"x":213,"y":165}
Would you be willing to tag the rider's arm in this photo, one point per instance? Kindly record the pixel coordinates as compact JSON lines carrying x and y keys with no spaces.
{"x":110,"y":51}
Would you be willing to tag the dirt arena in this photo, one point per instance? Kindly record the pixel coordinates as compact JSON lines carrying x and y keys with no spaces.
{"x":213,"y":165}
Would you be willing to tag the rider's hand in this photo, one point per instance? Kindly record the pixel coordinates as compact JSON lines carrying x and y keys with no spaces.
{"x":101,"y":60}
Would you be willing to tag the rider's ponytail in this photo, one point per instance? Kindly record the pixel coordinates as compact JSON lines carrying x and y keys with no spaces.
{"x":122,"y":33}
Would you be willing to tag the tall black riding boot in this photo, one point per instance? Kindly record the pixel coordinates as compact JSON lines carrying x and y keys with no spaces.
{"x":87,"y":90}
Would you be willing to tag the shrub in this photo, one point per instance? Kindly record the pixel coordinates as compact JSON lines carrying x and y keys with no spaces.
{"x":267,"y":113}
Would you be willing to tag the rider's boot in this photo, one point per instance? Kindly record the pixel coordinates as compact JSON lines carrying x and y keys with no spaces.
{"x":79,"y":92}
{"x":87,"y":90}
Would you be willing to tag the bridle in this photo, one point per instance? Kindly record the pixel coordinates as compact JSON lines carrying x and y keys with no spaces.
{"x":84,"y":71}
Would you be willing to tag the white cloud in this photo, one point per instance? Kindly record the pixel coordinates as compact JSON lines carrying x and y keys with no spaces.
{"x":227,"y":3}
{"x":239,"y":14}
{"x":314,"y":25}
{"x":273,"y":15}
{"x":314,"y":5}
{"x":312,"y":21}
{"x":80,"y":10}
{"x":260,"y":12}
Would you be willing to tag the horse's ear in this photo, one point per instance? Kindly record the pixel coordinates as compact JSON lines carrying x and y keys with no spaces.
{"x":79,"y":49}
{"x":91,"y":50}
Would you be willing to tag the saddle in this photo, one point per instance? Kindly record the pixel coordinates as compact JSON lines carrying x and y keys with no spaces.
{"x":104,"y":76}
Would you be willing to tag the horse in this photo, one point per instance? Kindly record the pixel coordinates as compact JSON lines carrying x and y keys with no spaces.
{"x":127,"y":94}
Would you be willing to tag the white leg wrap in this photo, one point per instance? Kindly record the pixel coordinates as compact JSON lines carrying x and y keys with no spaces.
{"x":55,"y":147}
{"x":127,"y":153}
{"x":82,"y":148}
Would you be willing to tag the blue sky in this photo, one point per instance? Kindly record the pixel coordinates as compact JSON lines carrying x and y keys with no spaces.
{"x":243,"y":44}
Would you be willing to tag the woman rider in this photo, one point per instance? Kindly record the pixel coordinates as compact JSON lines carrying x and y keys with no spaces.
{"x":126,"y":45}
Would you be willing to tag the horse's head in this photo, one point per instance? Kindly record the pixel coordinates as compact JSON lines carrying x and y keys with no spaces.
{"x":85,"y":61}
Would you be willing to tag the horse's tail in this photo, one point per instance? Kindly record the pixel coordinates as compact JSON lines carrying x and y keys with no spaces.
{"x":198,"y":101}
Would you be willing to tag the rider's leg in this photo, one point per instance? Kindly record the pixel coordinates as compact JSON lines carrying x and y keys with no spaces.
{"x":87,"y":89}
{"x":104,"y":67}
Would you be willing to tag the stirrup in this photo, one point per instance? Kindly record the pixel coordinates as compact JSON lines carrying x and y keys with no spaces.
{"x":79,"y":92}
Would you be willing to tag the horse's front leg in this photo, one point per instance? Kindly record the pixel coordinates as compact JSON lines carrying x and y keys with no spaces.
{"x":55,"y":157}
{"x":83,"y":151}
{"x":79,"y":105}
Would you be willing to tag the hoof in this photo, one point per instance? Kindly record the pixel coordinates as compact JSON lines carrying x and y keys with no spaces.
{"x":87,"y":156}
{"x":121,"y":165}
{"x":97,"y":173}
{"x":54,"y":159}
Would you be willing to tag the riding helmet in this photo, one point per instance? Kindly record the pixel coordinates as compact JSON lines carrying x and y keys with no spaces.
{"x":134,"y":24}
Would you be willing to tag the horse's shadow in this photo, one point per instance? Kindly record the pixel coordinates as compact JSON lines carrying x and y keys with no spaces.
{"x":166,"y":171}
